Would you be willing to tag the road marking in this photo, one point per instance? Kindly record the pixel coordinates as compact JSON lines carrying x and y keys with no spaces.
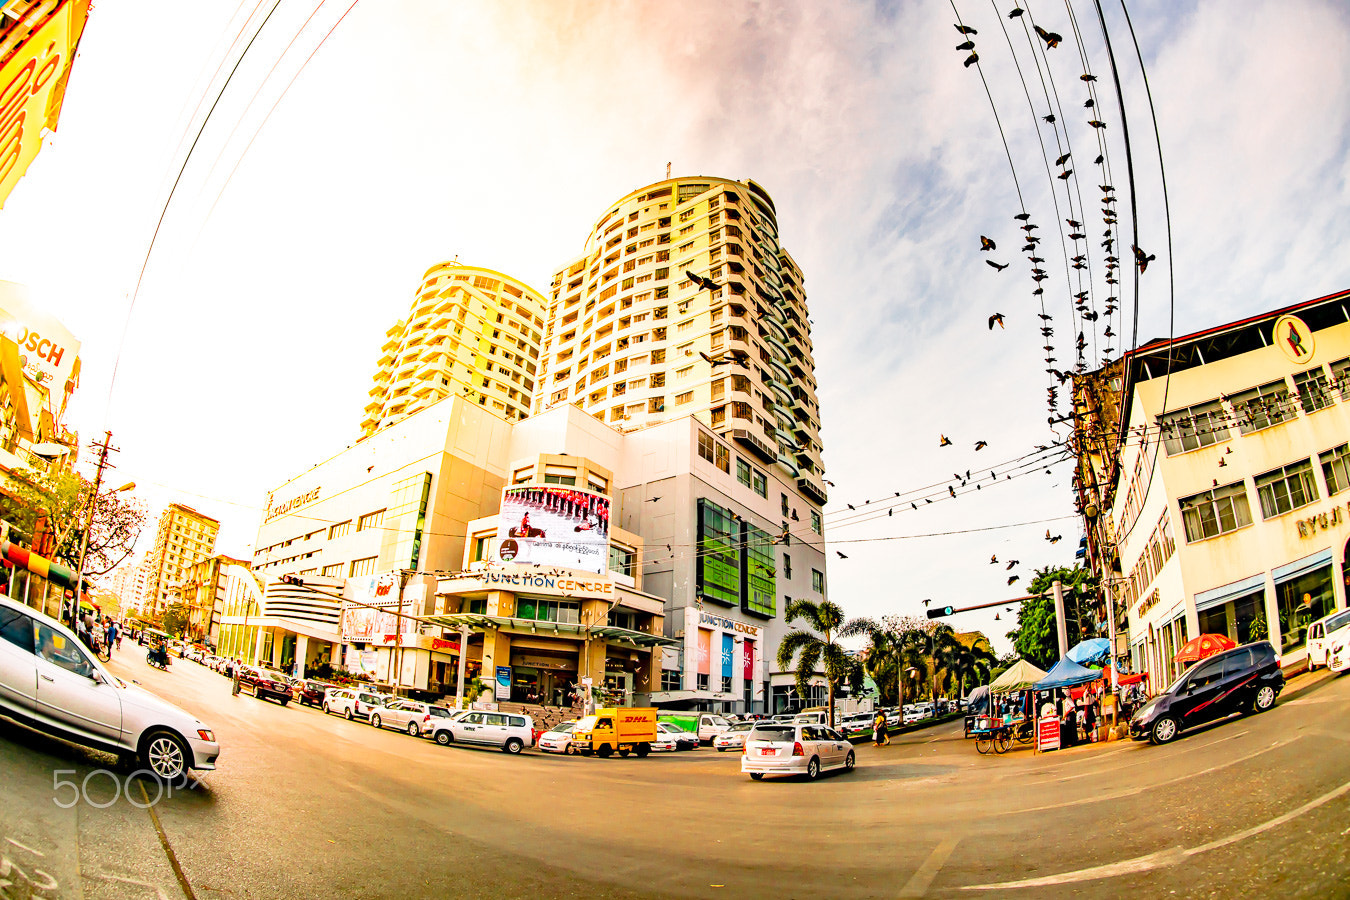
{"x":1162,"y":858}
{"x":1134,"y":747}
{"x":168,"y":850}
{"x":918,"y":883}
{"x":1139,"y":789}
{"x":22,"y":847}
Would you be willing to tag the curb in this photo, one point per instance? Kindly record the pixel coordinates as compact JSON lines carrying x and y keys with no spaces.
{"x":1309,"y":681}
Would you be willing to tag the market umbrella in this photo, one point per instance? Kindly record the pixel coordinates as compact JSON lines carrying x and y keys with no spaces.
{"x":1019,"y":677}
{"x":1066,"y":673}
{"x":1090,"y":651}
{"x":1124,"y":678}
{"x":1205,"y":645}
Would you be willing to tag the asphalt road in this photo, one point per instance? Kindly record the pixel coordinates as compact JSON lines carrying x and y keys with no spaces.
{"x":307,"y":805}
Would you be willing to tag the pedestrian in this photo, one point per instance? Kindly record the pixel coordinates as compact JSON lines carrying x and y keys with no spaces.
{"x":1090,"y":717}
{"x":879,"y":735}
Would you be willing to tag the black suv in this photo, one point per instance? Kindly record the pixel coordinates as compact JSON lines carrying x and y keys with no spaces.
{"x":1245,"y":679}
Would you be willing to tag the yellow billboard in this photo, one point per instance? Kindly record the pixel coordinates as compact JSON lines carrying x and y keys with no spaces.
{"x":27,"y":83}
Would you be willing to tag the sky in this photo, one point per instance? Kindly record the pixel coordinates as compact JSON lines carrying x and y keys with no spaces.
{"x":498,"y":132}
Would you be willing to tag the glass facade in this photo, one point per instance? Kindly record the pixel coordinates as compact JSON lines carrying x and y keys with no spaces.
{"x":1302,"y":601}
{"x":718,"y":568}
{"x":759,"y":573}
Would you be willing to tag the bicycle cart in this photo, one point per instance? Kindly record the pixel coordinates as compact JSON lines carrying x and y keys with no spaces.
{"x":993,"y":734}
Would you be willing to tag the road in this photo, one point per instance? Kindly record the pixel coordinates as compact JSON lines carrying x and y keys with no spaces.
{"x":307,"y":805}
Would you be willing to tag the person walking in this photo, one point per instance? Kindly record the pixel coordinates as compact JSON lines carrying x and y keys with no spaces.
{"x":879,"y":735}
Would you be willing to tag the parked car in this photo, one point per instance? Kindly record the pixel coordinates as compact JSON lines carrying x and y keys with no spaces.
{"x":894,"y":718}
{"x":353,"y":703}
{"x":796,"y":749}
{"x":48,"y":681}
{"x":1325,"y":632}
{"x":733,"y":738}
{"x":412,"y":716}
{"x":558,"y":739}
{"x":311,"y":693}
{"x":264,"y":685}
{"x":684,"y":740}
{"x":508,"y":731}
{"x":810,"y":718}
{"x":1245,"y":679}
{"x":664,"y":741}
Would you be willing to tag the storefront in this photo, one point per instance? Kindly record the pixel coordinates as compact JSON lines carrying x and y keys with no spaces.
{"x":35,"y":581}
{"x":1236,"y":610}
{"x":1304,"y":593}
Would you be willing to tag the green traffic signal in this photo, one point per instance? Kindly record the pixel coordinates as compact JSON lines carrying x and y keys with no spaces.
{"x":940,"y":612}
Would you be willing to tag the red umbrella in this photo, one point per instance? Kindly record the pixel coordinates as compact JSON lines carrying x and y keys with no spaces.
{"x":1203,"y":646}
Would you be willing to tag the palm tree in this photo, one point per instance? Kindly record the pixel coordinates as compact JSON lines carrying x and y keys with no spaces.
{"x":974,"y":662}
{"x":890,"y":651}
{"x":819,"y":646}
{"x":940,"y":646}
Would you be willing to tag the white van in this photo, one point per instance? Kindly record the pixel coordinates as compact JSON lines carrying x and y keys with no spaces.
{"x":810,"y":718}
{"x":509,"y":731}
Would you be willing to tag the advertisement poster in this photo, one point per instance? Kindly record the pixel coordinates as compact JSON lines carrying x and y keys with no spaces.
{"x":1047,"y":733}
{"x":728,"y":654}
{"x":369,"y":659}
{"x":554,"y":526}
{"x":749,"y":673}
{"x":503,"y":682}
{"x":47,"y":351}
{"x":363,"y":624}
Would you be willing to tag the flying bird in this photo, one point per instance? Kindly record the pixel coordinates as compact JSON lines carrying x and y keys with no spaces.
{"x":840,"y":554}
{"x":928,"y":601}
{"x":987,"y":243}
{"x":980,"y":445}
{"x":997,"y":267}
{"x":996,"y":317}
{"x":993,"y":558}
{"x":1051,"y":39}
{"x":944,"y":441}
{"x":1140,"y":259}
{"x":702,"y":283}
{"x":1012,"y":563}
{"x":1011,"y":579}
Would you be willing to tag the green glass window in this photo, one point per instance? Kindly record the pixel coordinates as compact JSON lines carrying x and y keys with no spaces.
{"x":718,"y":569}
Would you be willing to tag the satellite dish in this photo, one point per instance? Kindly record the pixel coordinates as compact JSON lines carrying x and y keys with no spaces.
{"x":50,"y":449}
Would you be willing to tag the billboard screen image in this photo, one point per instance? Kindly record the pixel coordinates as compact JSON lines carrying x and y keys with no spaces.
{"x":554,"y":525}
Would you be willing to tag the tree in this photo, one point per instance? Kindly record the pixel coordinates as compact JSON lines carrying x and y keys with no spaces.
{"x":892,"y":650}
{"x":1036,"y":637}
{"x":63,"y":497}
{"x":818,"y":647}
{"x":939,"y":646}
{"x":176,"y":619}
{"x":974,"y":662}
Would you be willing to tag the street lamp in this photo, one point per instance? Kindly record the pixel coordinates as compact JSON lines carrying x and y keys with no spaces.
{"x":88,"y":526}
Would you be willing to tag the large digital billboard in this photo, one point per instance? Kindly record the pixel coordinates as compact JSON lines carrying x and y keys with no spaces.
{"x":554,"y":525}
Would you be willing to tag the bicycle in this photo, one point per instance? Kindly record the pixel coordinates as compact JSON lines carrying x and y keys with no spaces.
{"x":101,"y":649}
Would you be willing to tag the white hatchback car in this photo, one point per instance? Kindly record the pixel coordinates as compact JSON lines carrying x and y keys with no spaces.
{"x":558,"y":739}
{"x":509,"y":731}
{"x":795,"y":749}
{"x":412,"y":716}
{"x":1324,"y":634}
{"x":49,"y":681}
{"x":733,"y":738}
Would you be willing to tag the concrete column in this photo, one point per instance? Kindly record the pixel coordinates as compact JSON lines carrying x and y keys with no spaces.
{"x":301,"y":654}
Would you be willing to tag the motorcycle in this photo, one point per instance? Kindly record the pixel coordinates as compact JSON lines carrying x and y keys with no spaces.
{"x":158,"y":657}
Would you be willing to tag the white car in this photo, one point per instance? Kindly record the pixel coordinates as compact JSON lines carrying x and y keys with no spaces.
{"x":412,"y":716}
{"x":49,"y":682}
{"x":733,"y":738}
{"x":663,"y":742}
{"x":509,"y":731}
{"x":353,"y":703}
{"x":684,"y":740}
{"x":558,"y":739}
{"x":797,"y":749}
{"x":1324,"y":633}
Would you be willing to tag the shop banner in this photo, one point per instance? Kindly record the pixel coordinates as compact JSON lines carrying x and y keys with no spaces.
{"x":47,"y":351}
{"x":728,"y":654}
{"x":503,"y":682}
{"x":554,"y":526}
{"x":368,"y":661}
{"x":380,"y":625}
{"x":704,"y":651}
{"x":27,"y":81}
{"x":1047,"y":733}
{"x":749,"y":661}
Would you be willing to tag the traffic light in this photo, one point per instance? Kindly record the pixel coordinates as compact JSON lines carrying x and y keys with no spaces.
{"x":293,"y":579}
{"x":940,"y":611}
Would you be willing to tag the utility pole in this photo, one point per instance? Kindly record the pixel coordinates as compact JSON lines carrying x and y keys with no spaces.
{"x":103,"y":450}
{"x":1058,"y":590}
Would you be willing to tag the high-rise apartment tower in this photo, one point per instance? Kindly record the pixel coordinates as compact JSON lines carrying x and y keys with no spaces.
{"x":633,"y":340}
{"x":470,"y":331}
{"x":182,"y":538}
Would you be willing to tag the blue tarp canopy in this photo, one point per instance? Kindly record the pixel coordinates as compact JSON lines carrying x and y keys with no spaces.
{"x":1093,"y":650}
{"x":1067,"y":673}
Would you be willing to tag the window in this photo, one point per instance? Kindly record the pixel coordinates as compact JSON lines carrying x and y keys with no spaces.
{"x":342,"y":529}
{"x":1302,"y":601}
{"x":714,"y":452}
{"x":1263,"y":406}
{"x":815,"y":521}
{"x":570,"y":480}
{"x":17,"y":629}
{"x":670,"y":680}
{"x":1286,"y":488}
{"x":1196,"y":426}
{"x":621,"y":560}
{"x":702,"y":681}
{"x":787,"y":566}
{"x":361,"y":567}
{"x":548,"y":610}
{"x":56,"y":649}
{"x":370,"y":520}
{"x":686,"y":397}
{"x":1312,"y":389}
{"x":742,"y":471}
{"x":726,"y":684}
{"x":818,"y":581}
{"x":761,"y":484}
{"x":1215,"y":512}
{"x":333,"y":571}
{"x":1336,"y":469}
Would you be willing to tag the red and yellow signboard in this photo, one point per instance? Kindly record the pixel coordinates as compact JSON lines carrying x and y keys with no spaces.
{"x":27,"y":83}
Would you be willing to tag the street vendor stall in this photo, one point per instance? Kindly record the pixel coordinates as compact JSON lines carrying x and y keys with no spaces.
{"x":1008,"y":720}
{"x":1064,"y":674}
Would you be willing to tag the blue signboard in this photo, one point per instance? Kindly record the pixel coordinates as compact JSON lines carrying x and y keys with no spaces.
{"x":728,"y":652}
{"x":503,"y":682}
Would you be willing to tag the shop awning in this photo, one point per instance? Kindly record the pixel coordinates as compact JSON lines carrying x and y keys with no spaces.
{"x":1067,"y":673}
{"x":1021,"y":676}
{"x":23,"y":558}
{"x":610,"y":633}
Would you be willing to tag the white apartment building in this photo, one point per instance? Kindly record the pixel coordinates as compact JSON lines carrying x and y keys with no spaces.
{"x":183,"y":537}
{"x":1230,"y":503}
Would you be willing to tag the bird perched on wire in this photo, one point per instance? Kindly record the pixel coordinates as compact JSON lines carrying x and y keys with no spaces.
{"x":1050,"y":119}
{"x":996,"y":317}
{"x":965,"y":29}
{"x":1015,"y":12}
{"x":967,"y":45}
{"x":1086,"y":77}
{"x":971,"y":60}
{"x":996,"y":617}
{"x":1063,"y":159}
{"x":997,"y":267}
{"x":987,"y":243}
{"x":951,"y":490}
{"x":1051,"y":39}
{"x":1096,"y":123}
{"x":1022,"y":217}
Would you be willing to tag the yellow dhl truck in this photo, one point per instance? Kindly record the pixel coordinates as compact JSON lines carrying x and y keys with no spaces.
{"x":619,"y":728}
